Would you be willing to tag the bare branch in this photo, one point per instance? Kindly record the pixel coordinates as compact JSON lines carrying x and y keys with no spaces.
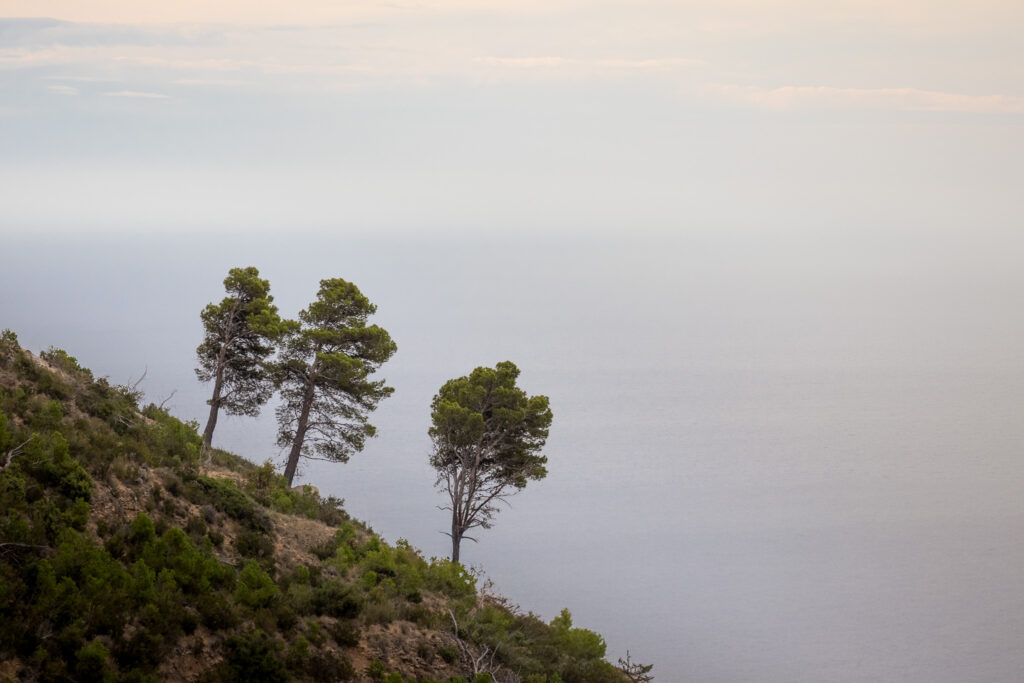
{"x":636,"y":672}
{"x":169,"y":397}
{"x":17,"y":450}
{"x":134,"y":387}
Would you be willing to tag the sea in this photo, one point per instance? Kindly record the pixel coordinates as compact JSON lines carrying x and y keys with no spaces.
{"x":777,"y":455}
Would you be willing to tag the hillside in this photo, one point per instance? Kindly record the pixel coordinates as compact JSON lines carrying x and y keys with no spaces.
{"x":123,"y":557}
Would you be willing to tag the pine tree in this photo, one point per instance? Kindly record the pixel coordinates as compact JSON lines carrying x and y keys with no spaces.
{"x":487,"y":436}
{"x":239,"y":338}
{"x":324,"y":377}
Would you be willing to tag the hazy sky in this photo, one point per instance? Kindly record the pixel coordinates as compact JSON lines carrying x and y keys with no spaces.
{"x":567,"y":116}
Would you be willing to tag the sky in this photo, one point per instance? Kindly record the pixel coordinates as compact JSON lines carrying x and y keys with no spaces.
{"x":510,"y":117}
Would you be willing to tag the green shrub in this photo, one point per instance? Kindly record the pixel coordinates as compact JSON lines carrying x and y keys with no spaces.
{"x":344,"y":632}
{"x":300,"y":597}
{"x":49,"y":416}
{"x":9,"y":347}
{"x":59,"y":358}
{"x":449,"y":578}
{"x":218,"y":612}
{"x":255,"y":587}
{"x":332,"y":511}
{"x":253,"y":544}
{"x":254,"y":656}
{"x":50,"y":462}
{"x":335,"y":598}
{"x":227,"y":498}
{"x":380,"y":561}
{"x":375,"y":671}
{"x":91,"y":662}
{"x":195,"y":527}
{"x":448,"y":653}
{"x":326,"y":666}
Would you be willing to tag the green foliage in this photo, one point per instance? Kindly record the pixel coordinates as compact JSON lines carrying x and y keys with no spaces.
{"x":49,"y":416}
{"x":324,"y":376}
{"x":253,"y":656}
{"x":51,"y":462}
{"x":375,"y":671}
{"x":92,"y":662}
{"x":344,"y":632}
{"x":336,"y":598}
{"x":59,"y":358}
{"x":9,"y":347}
{"x":450,"y":578}
{"x":271,"y":489}
{"x":576,"y":642}
{"x":255,"y":587}
{"x":255,"y":545}
{"x":232,"y":501}
{"x":326,"y":666}
{"x":178,"y":441}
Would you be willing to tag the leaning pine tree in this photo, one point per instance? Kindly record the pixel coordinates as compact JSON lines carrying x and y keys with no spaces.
{"x":487,"y":436}
{"x":239,"y":337}
{"x":324,"y":377}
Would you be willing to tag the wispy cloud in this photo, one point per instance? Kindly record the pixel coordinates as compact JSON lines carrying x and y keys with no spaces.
{"x":212,"y":82}
{"x":136,"y":93}
{"x":556,"y":62}
{"x":44,"y":32}
{"x":62,"y":89}
{"x":891,"y":99}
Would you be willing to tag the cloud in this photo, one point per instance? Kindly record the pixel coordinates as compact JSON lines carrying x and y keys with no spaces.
{"x":212,"y":82}
{"x":43,"y":32}
{"x":890,"y":99}
{"x":555,"y":62}
{"x":63,"y":89}
{"x":79,"y":79}
{"x":136,"y":93}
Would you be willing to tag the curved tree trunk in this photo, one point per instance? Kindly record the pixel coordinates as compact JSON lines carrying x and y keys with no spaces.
{"x":300,"y":435}
{"x":211,"y":421}
{"x":218,"y":386}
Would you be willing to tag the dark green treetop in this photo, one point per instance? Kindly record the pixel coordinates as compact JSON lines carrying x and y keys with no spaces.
{"x":487,"y":436}
{"x":239,"y":335}
{"x":324,"y":375}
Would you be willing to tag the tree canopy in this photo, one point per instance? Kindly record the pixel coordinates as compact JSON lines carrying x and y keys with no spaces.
{"x":239,"y":335}
{"x":487,"y":435}
{"x":324,"y":375}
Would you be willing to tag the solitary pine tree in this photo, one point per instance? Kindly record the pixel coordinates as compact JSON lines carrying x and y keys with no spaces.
{"x":239,"y":337}
{"x":324,"y":377}
{"x":487,"y":436}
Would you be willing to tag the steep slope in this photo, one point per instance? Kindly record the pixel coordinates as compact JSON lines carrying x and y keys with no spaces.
{"x":122,"y":557}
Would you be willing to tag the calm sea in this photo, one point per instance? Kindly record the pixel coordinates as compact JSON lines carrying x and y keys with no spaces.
{"x":788,"y":457}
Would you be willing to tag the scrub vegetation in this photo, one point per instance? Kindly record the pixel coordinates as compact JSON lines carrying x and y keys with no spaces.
{"x":123,"y":556}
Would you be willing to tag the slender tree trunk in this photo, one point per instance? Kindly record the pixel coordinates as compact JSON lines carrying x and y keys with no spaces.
{"x":218,"y":386}
{"x":300,"y":434}
{"x":211,"y":421}
{"x":456,"y":540}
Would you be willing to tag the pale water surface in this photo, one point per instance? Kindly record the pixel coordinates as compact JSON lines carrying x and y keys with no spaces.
{"x":792,"y":457}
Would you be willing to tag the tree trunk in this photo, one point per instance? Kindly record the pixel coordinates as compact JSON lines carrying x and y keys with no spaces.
{"x":456,"y":540}
{"x":211,"y":422}
{"x":300,"y":435}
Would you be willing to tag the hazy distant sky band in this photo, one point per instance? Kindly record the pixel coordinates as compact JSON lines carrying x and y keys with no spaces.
{"x":563,"y":115}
